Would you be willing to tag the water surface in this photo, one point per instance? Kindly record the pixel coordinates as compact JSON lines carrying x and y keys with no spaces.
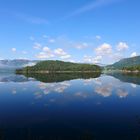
{"x":76,"y":107}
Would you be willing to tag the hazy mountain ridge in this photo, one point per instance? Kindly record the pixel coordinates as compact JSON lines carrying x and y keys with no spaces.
{"x":16,"y":63}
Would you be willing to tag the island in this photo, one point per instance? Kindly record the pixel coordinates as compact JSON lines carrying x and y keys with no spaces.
{"x":56,"y":66}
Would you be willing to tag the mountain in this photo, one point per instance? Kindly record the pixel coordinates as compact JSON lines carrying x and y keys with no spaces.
{"x":51,"y":66}
{"x":11,"y":65}
{"x":126,"y":62}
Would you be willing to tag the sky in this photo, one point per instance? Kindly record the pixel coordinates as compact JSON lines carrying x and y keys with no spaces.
{"x":85,"y":31}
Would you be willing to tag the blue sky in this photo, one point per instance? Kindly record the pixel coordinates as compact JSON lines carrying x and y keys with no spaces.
{"x":92,"y":31}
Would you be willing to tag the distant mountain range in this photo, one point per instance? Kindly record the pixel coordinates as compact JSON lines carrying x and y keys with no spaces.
{"x":126,"y":62}
{"x":11,"y":65}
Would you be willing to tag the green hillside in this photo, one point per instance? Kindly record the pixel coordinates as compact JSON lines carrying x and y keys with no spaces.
{"x":59,"y":66}
{"x":125,"y":63}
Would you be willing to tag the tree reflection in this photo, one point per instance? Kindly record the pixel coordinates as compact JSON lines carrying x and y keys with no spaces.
{"x":62,"y":77}
{"x":133,"y":78}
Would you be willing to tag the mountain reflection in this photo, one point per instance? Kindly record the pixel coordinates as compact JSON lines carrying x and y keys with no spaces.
{"x":10,"y":77}
{"x":62,"y":77}
{"x":133,"y":78}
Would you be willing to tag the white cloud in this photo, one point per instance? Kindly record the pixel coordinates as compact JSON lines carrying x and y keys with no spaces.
{"x":14,"y":49}
{"x":59,"y":52}
{"x":41,"y":55}
{"x":90,"y":59}
{"x":133,"y":54}
{"x":46,"y":49}
{"x":104,"y":49}
{"x":31,"y":19}
{"x":122,"y":46}
{"x":108,"y":52}
{"x":44,"y":55}
{"x":82,"y":45}
{"x":98,"y":37}
{"x":104,"y":53}
{"x":91,"y":6}
{"x":87,"y":59}
{"x":24,"y":52}
{"x":37,"y":46}
{"x":97,"y":59}
{"x":30,"y":64}
{"x":23,"y":58}
{"x":65,"y":56}
{"x":45,"y":36}
{"x":1,"y":58}
{"x":51,"y":40}
{"x":48,"y":53}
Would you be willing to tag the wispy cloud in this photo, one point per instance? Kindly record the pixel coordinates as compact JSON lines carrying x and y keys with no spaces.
{"x":134,"y":54}
{"x":122,"y":46}
{"x":14,"y":49}
{"x":91,"y":6}
{"x":31,"y":19}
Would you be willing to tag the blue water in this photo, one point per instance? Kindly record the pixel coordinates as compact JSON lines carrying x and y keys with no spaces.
{"x":100,"y":108}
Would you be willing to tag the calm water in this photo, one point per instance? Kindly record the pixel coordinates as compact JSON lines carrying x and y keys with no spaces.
{"x":75,"y":107}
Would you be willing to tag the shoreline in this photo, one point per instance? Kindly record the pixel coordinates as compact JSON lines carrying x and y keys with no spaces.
{"x":122,"y":71}
{"x":47,"y":72}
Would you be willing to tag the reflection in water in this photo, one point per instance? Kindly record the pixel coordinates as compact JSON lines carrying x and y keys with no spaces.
{"x":64,"y":108}
{"x":9,"y":77}
{"x":54,"y":87}
{"x":134,"y":85}
{"x":108,"y":88}
{"x":127,"y":77}
{"x":122,"y":93}
{"x":62,"y":77}
{"x":105,"y":91}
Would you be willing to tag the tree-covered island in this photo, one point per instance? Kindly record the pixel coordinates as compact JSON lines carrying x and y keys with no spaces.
{"x":51,"y":66}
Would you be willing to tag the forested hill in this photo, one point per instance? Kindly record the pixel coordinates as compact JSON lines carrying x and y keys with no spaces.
{"x":59,"y":66}
{"x":124,"y":63}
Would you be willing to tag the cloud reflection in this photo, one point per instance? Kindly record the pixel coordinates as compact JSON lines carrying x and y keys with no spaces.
{"x":122,"y":93}
{"x":54,"y":87}
{"x":104,"y":91}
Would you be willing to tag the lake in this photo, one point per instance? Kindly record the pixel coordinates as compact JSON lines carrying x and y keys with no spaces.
{"x":70,"y":107}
